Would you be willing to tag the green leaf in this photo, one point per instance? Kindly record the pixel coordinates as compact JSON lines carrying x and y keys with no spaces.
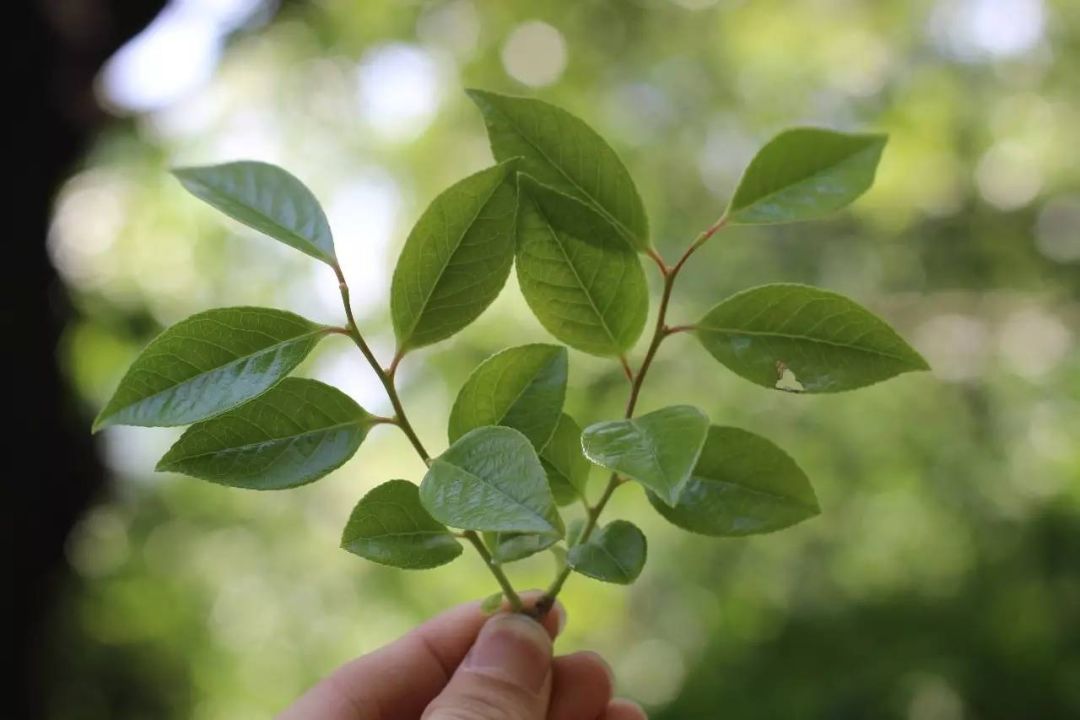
{"x":574,"y":530}
{"x":566,"y":466}
{"x":615,"y":553}
{"x":209,"y":363}
{"x":584,"y":284}
{"x":742,"y":485}
{"x":267,"y":198}
{"x":293,"y":434}
{"x":489,"y":480}
{"x":492,"y":604}
{"x":456,"y":259}
{"x":560,"y":150}
{"x":658,"y":449}
{"x":521,"y":387}
{"x":805,"y":173}
{"x":507,"y":547}
{"x":801,"y":339}
{"x":390,"y":526}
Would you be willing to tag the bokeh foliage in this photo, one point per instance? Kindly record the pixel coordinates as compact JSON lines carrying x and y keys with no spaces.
{"x":941,"y":579}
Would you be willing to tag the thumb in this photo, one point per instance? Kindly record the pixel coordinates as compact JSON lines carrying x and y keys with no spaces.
{"x":506,"y":675}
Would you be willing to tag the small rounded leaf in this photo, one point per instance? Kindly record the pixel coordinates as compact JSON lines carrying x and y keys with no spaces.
{"x":615,"y":553}
{"x":805,"y":173}
{"x":266,"y":198}
{"x":456,"y":259}
{"x":508,"y":547}
{"x":490,"y":480}
{"x":209,"y":363}
{"x":658,"y":450}
{"x":291,"y":435}
{"x":391,"y":527}
{"x":561,"y":150}
{"x":520,"y":387}
{"x":582,"y":281}
{"x":801,"y":339}
{"x":743,"y":484}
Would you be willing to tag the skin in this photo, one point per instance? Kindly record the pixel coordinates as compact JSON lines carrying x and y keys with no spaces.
{"x":466,"y":665}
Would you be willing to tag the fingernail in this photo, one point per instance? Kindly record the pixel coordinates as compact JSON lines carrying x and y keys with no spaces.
{"x":514,"y":649}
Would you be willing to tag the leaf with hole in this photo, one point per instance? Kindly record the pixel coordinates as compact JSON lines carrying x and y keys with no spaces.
{"x":583,"y":283}
{"x":391,"y":527}
{"x":804,"y":173}
{"x":743,"y":484}
{"x":209,"y":363}
{"x":566,"y":466}
{"x":456,"y":259}
{"x":266,"y":198}
{"x":615,"y":553}
{"x":658,"y":449}
{"x":489,"y":480}
{"x":802,"y":339}
{"x":521,"y":387}
{"x":293,"y":434}
{"x":560,"y":150}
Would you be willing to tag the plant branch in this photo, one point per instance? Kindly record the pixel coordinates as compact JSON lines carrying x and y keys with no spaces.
{"x":387,"y":378}
{"x":660,"y":331}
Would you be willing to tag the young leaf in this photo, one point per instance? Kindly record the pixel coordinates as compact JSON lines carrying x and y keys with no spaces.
{"x":490,"y":480}
{"x":805,"y":173}
{"x":560,"y":150}
{"x":293,"y":434}
{"x":584,"y":284}
{"x":507,"y":547}
{"x":521,"y":387}
{"x":390,"y":526}
{"x":267,"y":198}
{"x":658,"y":449}
{"x":492,"y":603}
{"x":566,"y":467}
{"x":801,"y":339}
{"x":209,"y":363}
{"x":456,"y":259}
{"x":742,"y":485}
{"x":615,"y":553}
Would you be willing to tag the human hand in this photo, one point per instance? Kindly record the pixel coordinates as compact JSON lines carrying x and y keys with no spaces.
{"x":465,"y":665}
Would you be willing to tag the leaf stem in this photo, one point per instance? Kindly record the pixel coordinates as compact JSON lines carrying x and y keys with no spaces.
{"x":661,"y":331}
{"x":508,"y":590}
{"x":387,"y":378}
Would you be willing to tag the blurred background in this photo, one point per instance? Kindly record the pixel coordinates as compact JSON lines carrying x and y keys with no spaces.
{"x":941,"y":582}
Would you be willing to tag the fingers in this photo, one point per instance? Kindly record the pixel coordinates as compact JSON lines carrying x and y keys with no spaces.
{"x":506,"y":676}
{"x":396,"y":682}
{"x":581,"y":687}
{"x":623,"y":710}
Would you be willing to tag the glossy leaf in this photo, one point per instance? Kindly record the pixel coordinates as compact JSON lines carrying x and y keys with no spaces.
{"x":391,"y":527}
{"x":560,"y":150}
{"x":801,"y":339}
{"x":490,"y":480}
{"x":456,"y":259}
{"x":521,"y":387}
{"x":584,"y":284}
{"x":803,"y":174}
{"x":209,"y":363}
{"x":293,"y":434}
{"x":267,"y":198}
{"x":743,"y":484}
{"x":658,"y":449}
{"x":566,"y":466}
{"x":615,"y":553}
